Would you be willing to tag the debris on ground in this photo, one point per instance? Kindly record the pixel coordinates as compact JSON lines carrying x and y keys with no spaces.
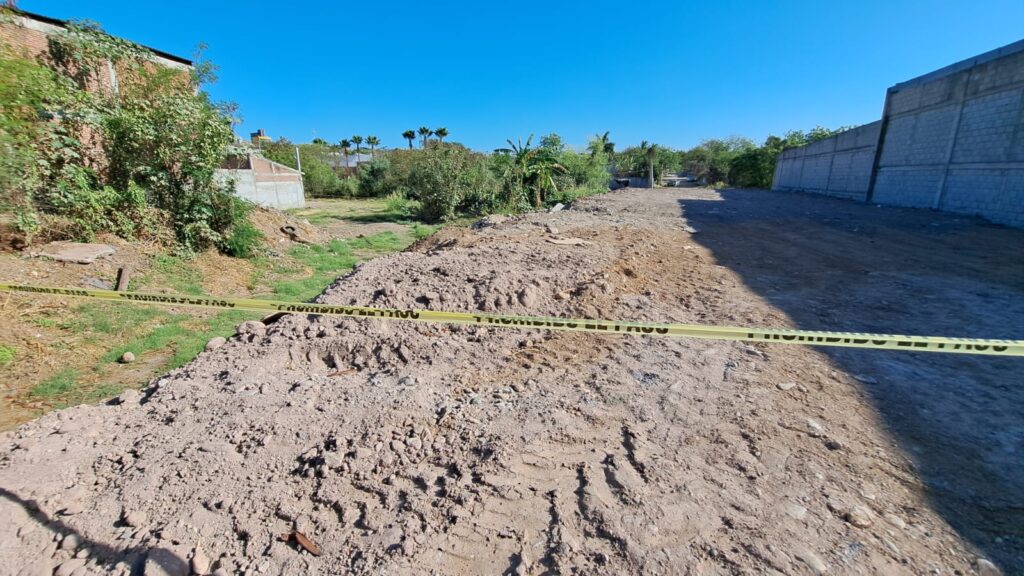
{"x":75,"y":252}
{"x":408,"y":448}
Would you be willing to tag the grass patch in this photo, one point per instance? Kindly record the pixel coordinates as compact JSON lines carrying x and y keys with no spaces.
{"x":421,"y":231}
{"x":175,"y":272}
{"x":325,"y":262}
{"x":6,"y":355}
{"x":110,"y":319}
{"x":184,"y":335}
{"x":60,"y":383}
{"x":383,"y":242}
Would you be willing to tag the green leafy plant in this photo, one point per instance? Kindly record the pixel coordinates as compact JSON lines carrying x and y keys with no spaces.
{"x":6,"y":354}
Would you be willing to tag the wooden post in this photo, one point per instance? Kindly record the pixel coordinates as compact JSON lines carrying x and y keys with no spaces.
{"x":122,"y":279}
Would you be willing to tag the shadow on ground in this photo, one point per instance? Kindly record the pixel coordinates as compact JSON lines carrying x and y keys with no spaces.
{"x":107,"y":556}
{"x":832,"y":264}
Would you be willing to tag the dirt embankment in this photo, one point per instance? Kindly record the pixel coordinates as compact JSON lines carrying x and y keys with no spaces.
{"x":409,"y":449}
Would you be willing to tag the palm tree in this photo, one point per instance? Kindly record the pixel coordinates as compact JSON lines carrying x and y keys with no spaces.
{"x":424,"y":133}
{"x":358,"y":142}
{"x":650,"y":150}
{"x":346,"y":147}
{"x":441,"y":133}
{"x":373,"y":142}
{"x":409,"y":135}
{"x":601,"y":143}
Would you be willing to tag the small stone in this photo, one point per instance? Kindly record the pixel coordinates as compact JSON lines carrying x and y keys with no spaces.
{"x":127,"y":358}
{"x":161,"y":562}
{"x":251,"y":327}
{"x":557,"y":207}
{"x":83,"y":553}
{"x":551,"y":229}
{"x":129,"y":396}
{"x":690,"y":229}
{"x":859,"y":516}
{"x":786,"y":385}
{"x":397,"y":446}
{"x":811,"y":559}
{"x":68,"y":567}
{"x":814,"y":428}
{"x":406,"y":381}
{"x":987,"y":568}
{"x":895,"y":521}
{"x":414,"y":443}
{"x":70,"y":542}
{"x":528,"y":296}
{"x":215,"y":343}
{"x":135,"y":518}
{"x":796,"y":511}
{"x":333,"y":460}
{"x":200,"y":562}
{"x":833,"y":444}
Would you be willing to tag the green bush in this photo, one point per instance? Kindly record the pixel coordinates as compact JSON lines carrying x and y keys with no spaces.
{"x":244,"y":239}
{"x":446,"y":177}
{"x":375,"y":178}
{"x":161,"y":136}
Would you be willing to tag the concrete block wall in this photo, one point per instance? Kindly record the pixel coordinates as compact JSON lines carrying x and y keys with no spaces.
{"x":954,"y":139}
{"x":838,"y":166}
{"x":950,"y":140}
{"x":266,"y":183}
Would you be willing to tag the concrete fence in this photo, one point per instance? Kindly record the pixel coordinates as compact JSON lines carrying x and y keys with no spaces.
{"x":265,"y":182}
{"x":951,"y":140}
{"x":838,"y":166}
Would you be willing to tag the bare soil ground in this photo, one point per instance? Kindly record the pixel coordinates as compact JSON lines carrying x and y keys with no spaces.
{"x":409,"y":449}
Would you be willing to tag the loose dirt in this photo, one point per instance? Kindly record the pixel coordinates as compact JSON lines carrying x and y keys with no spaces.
{"x":408,"y":449}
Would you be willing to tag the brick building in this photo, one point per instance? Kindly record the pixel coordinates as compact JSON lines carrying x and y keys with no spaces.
{"x":28,"y":35}
{"x":951,"y":140}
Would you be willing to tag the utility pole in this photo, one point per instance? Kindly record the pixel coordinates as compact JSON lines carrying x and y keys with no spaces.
{"x":650,"y":166}
{"x":298,"y":160}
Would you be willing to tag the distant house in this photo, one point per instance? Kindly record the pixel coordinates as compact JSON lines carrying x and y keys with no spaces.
{"x":347,"y":163}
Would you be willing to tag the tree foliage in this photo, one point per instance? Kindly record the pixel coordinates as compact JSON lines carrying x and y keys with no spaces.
{"x":160,"y":136}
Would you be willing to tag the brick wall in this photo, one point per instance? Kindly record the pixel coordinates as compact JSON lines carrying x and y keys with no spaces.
{"x":951,"y":140}
{"x":838,"y":166}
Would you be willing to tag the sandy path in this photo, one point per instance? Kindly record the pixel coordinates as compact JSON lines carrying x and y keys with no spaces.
{"x":410,"y":449}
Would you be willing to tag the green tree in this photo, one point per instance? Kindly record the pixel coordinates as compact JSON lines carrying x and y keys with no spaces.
{"x":372,"y":142}
{"x":601,"y":143}
{"x":345,"y":146}
{"x":530,"y":169}
{"x":358,"y":141}
{"x":441,"y":133}
{"x":424,"y":133}
{"x":409,"y":135}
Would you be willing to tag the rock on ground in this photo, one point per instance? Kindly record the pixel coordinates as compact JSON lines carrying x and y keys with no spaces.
{"x":407,"y":448}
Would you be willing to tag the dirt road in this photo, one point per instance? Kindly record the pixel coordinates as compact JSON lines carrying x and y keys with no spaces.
{"x":409,"y":449}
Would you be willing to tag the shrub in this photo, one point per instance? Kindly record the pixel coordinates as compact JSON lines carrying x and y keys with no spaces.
{"x":446,"y":177}
{"x":399,"y":204}
{"x":244,"y":239}
{"x":376,"y":179}
{"x":161,"y":136}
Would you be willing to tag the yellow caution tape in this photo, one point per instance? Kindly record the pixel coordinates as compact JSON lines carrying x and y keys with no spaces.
{"x":808,"y":337}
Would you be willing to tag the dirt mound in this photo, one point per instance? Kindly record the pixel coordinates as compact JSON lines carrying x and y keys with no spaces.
{"x":407,"y":449}
{"x":272,"y":223}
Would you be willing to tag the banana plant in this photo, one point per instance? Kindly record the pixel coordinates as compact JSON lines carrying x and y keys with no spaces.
{"x":531,"y":169}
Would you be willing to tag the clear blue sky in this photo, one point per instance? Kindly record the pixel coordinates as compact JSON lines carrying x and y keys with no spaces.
{"x":672,"y":72}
